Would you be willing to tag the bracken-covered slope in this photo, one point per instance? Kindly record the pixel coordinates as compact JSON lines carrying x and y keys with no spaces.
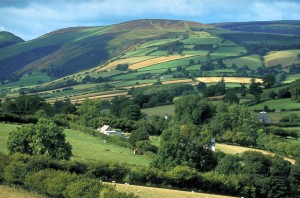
{"x":70,"y":50}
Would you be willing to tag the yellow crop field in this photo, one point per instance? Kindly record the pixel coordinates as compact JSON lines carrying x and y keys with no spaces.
{"x":244,"y":80}
{"x":177,"y":81}
{"x":78,"y":100}
{"x":231,"y":149}
{"x":150,"y":192}
{"x":16,"y":192}
{"x":285,"y":58}
{"x":157,"y":60}
{"x":128,"y":61}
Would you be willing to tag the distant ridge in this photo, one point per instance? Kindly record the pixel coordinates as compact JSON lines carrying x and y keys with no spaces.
{"x":7,"y":38}
{"x":291,"y":27}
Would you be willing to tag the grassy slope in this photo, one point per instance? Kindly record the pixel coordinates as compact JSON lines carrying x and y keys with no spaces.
{"x":285,"y":58}
{"x":161,"y":110}
{"x":86,"y":147}
{"x":277,"y":104}
{"x":10,"y":192}
{"x":251,"y":61}
{"x":151,"y":192}
{"x":231,"y":149}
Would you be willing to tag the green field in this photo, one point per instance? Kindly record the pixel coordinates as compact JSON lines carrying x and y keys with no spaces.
{"x":172,"y":64}
{"x":277,"y":116}
{"x":291,"y":78}
{"x":158,"y":42}
{"x":5,"y":129}
{"x":277,"y":104}
{"x":140,"y":52}
{"x":151,"y":192}
{"x":161,"y":110}
{"x":284,"y":57}
{"x":223,"y":52}
{"x":16,"y":192}
{"x":251,"y":61}
{"x":86,"y":147}
{"x":196,"y":40}
{"x":29,"y":80}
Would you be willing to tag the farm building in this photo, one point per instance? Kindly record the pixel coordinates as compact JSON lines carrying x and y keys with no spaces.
{"x":107,"y":130}
{"x":262,"y":117}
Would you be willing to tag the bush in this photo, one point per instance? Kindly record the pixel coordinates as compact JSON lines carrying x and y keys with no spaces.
{"x":4,"y":161}
{"x":84,"y":187}
{"x":145,"y":145}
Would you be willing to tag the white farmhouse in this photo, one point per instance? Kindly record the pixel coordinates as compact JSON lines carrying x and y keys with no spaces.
{"x":107,"y":130}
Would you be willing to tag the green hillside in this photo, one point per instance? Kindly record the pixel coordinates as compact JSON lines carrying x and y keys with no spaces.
{"x":70,"y":50}
{"x":7,"y":38}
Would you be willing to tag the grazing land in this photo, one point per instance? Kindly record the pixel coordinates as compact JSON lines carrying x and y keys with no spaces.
{"x":16,"y":192}
{"x":161,"y":110}
{"x":150,"y":192}
{"x":86,"y":147}
{"x":251,"y":61}
{"x":287,"y":104}
{"x":155,"y":61}
{"x":244,"y":80}
{"x":4,"y":132}
{"x":284,"y":58}
{"x":231,"y":149}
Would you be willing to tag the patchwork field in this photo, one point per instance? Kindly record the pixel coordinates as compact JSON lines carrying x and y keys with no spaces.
{"x":151,"y":192}
{"x":128,"y":61}
{"x":285,"y":58}
{"x":156,"y":60}
{"x":244,"y":80}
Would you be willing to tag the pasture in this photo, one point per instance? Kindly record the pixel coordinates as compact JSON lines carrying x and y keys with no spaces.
{"x":231,"y":149}
{"x":128,"y":61}
{"x":223,"y":52}
{"x":160,"y":110}
{"x":251,"y":61}
{"x":16,"y":192}
{"x":86,"y":147}
{"x":285,"y":58}
{"x":291,"y":78}
{"x":287,"y":104}
{"x":158,"y":42}
{"x":157,"y":60}
{"x":29,"y":80}
{"x":4,"y":132}
{"x":150,"y":192}
{"x":193,"y":40}
{"x":244,"y":80}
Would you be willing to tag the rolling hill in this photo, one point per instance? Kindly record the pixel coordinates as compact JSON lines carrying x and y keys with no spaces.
{"x":70,"y":50}
{"x":7,"y":38}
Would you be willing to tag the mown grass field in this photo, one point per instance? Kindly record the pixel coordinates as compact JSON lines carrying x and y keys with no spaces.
{"x":245,"y":80}
{"x":285,"y":58}
{"x":5,"y":129}
{"x":161,"y":110}
{"x":29,"y":80}
{"x":277,"y":116}
{"x":154,"y":61}
{"x":128,"y":61}
{"x":251,"y":61}
{"x":231,"y":149}
{"x":277,"y":104}
{"x":86,"y":147}
{"x":151,"y":192}
{"x":223,"y":52}
{"x":291,"y":78}
{"x":11,"y":192}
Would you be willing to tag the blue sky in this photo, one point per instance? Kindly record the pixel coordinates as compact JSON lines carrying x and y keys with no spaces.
{"x":32,"y":18}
